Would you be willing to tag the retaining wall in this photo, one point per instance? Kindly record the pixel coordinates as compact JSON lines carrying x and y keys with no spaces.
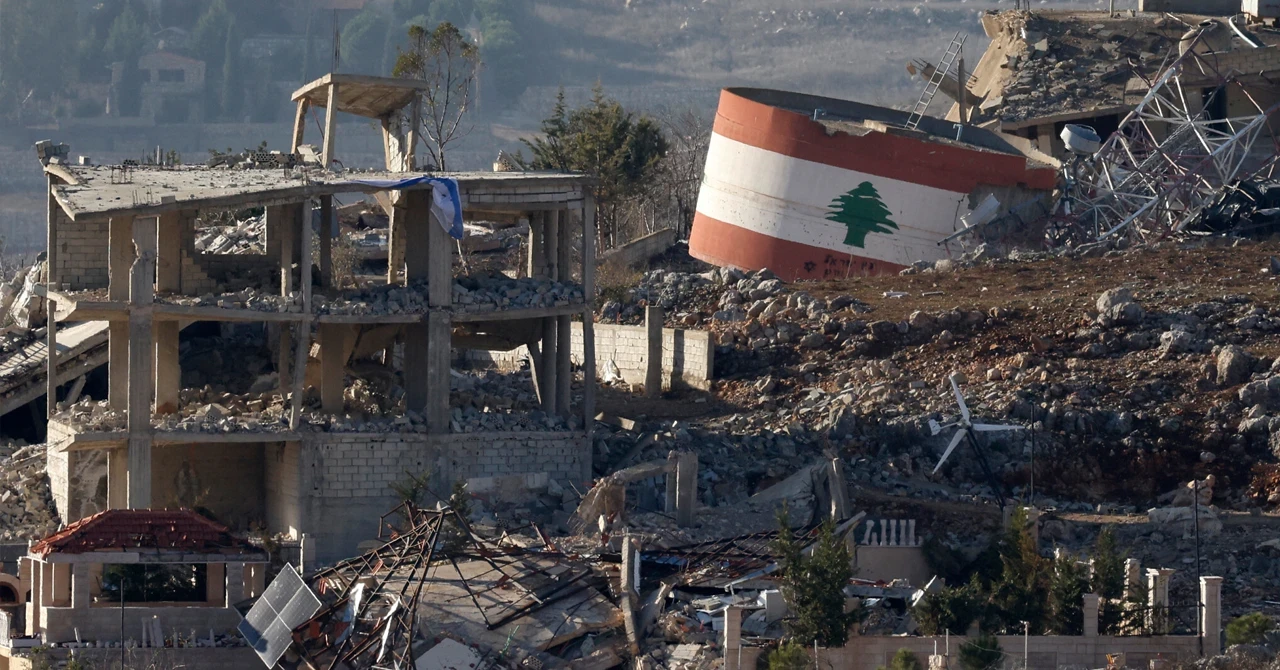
{"x":688,"y":356}
{"x":1048,"y":652}
{"x":638,"y":252}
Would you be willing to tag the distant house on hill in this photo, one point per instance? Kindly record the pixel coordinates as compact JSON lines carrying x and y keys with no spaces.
{"x":172,"y":87}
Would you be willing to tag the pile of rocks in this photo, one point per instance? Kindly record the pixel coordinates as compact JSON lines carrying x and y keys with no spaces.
{"x":246,"y":237}
{"x":26,"y":507}
{"x":89,"y":415}
{"x":470,"y":294}
{"x":253,"y":299}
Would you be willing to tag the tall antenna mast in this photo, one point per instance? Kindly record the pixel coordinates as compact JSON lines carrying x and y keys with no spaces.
{"x":337,"y":43}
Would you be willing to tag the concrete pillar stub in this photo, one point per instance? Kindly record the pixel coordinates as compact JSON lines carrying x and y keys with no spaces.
{"x":1158,"y":590}
{"x":732,"y":637}
{"x":686,"y":488}
{"x":653,"y":359}
{"x":81,"y":584}
{"x":1211,"y":616}
{"x":673,"y":464}
{"x":1092,"y":602}
{"x":216,"y":584}
{"x":1132,"y":576}
{"x":235,"y":583}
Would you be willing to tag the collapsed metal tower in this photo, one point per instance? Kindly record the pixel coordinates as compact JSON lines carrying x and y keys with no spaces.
{"x":1171,"y":156}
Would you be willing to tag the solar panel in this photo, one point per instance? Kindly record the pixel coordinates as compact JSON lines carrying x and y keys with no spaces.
{"x":287,"y":603}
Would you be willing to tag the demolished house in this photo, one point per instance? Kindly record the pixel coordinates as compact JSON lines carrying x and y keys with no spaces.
{"x":123,"y":254}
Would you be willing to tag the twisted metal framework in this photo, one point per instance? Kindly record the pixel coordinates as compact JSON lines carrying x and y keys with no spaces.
{"x":1168,"y":159}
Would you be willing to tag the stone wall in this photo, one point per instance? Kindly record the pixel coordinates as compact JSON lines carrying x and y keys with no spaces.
{"x":1206,"y":7}
{"x":237,"y":658}
{"x":688,"y":356}
{"x":103,"y":623}
{"x":639,"y":252}
{"x":1047,"y":652}
{"x":345,"y":480}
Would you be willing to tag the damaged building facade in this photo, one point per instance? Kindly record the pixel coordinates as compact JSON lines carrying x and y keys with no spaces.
{"x":291,"y":458}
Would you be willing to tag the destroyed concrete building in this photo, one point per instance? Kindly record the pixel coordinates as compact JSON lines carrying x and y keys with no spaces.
{"x":294,"y":456}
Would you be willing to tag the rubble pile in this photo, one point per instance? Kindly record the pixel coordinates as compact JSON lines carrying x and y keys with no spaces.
{"x":26,"y":507}
{"x":248,"y":298}
{"x":1128,"y":391}
{"x":245,"y":237}
{"x":470,"y":294}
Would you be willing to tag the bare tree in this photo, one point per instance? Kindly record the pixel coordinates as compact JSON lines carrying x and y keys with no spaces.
{"x":670,"y":197}
{"x":448,"y":63}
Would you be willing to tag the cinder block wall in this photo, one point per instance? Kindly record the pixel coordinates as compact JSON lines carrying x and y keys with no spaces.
{"x":93,"y":623}
{"x":82,"y":252}
{"x":688,"y":356}
{"x":345,"y":481}
{"x":1047,"y":652}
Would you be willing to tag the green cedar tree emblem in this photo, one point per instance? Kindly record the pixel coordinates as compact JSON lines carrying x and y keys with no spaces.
{"x":861,"y":211}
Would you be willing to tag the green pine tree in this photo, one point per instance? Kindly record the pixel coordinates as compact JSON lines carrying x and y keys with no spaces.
{"x":861,"y":211}
{"x":1066,"y":596}
{"x":813,"y":585}
{"x":1108,"y":580}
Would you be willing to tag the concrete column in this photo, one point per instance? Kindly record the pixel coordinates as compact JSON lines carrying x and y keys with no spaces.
{"x":1092,"y":602}
{"x":284,"y":354}
{"x":330,"y":127}
{"x":439,"y":348}
{"x":630,"y":586}
{"x":1211,"y":616}
{"x":536,"y":260}
{"x":551,"y":244}
{"x":416,"y":210}
{"x":169,"y":253}
{"x":1132,"y":577}
{"x":547,"y":381}
{"x":673,"y":465}
{"x":564,"y":324}
{"x":307,"y":553}
{"x":81,"y":583}
{"x":439,"y":265}
{"x":168,"y":367}
{"x":61,"y":583}
{"x":53,"y":262}
{"x":588,"y":318}
{"x":732,"y":638}
{"x":417,"y":382}
{"x":911,"y":532}
{"x":118,"y":364}
{"x":332,"y":366}
{"x":38,"y":591}
{"x":839,"y":491}
{"x":284,"y":220}
{"x":235,"y":583}
{"x":299,"y":125}
{"x":396,"y":231}
{"x":327,"y":226}
{"x":255,"y":579}
{"x":119,"y":258}
{"x":117,"y":478}
{"x":686,"y":488}
{"x":302,"y":349}
{"x":141,"y":352}
{"x":1158,"y":594}
{"x":653,"y":360}
{"x":51,"y":359}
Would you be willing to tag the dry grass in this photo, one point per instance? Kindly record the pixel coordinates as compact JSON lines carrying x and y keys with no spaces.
{"x":614,"y":279}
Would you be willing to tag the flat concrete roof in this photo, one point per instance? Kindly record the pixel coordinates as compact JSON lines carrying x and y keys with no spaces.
{"x":362,"y":95}
{"x":93,"y":192}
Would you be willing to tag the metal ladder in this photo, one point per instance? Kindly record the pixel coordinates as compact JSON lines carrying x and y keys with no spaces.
{"x":939,"y":73}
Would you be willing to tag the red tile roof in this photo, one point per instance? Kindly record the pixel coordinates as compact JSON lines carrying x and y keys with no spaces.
{"x":128,"y":529}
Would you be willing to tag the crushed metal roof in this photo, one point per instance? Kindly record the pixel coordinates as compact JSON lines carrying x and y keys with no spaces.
{"x":125,"y":529}
{"x":1063,"y":64}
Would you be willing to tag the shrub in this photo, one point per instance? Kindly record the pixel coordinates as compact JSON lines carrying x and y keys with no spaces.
{"x":813,"y":585}
{"x":904,"y":660}
{"x":981,"y":653}
{"x":788,"y":656}
{"x":949,"y":609}
{"x":1249,"y":629}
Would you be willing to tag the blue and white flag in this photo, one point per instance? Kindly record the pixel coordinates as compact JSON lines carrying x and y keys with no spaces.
{"x":446,"y":203}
